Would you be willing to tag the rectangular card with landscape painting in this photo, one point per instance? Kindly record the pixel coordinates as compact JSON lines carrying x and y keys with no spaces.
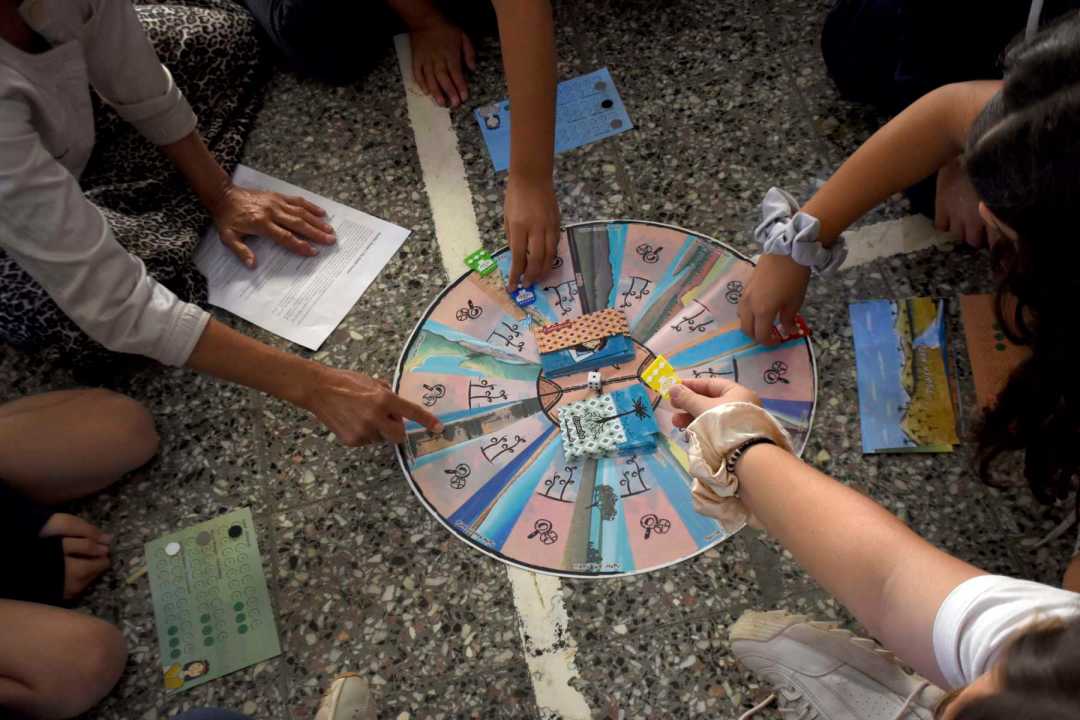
{"x":901,"y":354}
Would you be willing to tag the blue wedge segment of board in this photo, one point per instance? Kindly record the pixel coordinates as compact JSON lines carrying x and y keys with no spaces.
{"x":616,"y":349}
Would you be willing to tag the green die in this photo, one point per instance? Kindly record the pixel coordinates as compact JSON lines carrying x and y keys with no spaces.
{"x":481,"y":262}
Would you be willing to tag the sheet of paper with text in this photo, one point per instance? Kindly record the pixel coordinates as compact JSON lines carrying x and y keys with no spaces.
{"x":302,"y":299}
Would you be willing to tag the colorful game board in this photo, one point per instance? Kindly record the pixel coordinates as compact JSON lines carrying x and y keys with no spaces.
{"x":498,"y":477}
{"x":211,"y":606}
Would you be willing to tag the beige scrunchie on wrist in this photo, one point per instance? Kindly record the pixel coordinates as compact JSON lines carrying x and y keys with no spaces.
{"x":714,"y":435}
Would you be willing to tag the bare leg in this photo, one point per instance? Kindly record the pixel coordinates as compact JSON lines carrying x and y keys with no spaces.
{"x":56,"y":663}
{"x":64,"y":445}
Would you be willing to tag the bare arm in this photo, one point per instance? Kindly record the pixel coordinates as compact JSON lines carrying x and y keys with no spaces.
{"x":912,"y":146}
{"x":891,"y":579}
{"x":527,"y":35}
{"x":357,"y":408}
{"x":927,"y":136}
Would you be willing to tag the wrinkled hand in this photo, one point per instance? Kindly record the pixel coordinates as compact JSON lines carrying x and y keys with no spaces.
{"x":694,"y":397}
{"x":532,"y":229}
{"x":360,"y":409}
{"x":777,"y":287}
{"x":437,"y":53}
{"x":957,"y":206}
{"x":86,"y":551}
{"x":287,"y":220}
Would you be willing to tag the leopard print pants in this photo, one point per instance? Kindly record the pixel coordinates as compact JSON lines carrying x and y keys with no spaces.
{"x":216,"y":57}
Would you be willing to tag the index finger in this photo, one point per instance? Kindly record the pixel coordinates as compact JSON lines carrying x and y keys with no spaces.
{"x":713,"y":387}
{"x":401,"y":407}
{"x":458,"y":77}
{"x":518,"y":251}
{"x":535,"y":263}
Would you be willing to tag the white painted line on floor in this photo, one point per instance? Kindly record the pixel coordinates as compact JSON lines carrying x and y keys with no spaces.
{"x":892,"y":237}
{"x":542,"y":621}
{"x":549,"y":647}
{"x":443,"y":168}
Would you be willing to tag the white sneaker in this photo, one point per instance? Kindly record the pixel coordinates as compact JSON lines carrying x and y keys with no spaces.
{"x":349,"y":698}
{"x":824,"y":673}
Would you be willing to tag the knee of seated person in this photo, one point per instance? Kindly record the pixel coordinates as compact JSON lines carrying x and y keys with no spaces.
{"x":88,"y":673}
{"x":133,"y":426}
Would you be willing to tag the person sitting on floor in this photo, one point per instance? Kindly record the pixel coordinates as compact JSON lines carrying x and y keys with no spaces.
{"x":319,"y":38}
{"x":1020,"y":156}
{"x":72,"y":205}
{"x":54,"y":448}
{"x":1005,"y":648}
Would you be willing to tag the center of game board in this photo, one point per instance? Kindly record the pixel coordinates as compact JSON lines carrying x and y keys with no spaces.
{"x":555,"y":393}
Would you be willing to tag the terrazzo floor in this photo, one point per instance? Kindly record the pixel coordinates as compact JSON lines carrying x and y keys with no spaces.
{"x":728,"y":99}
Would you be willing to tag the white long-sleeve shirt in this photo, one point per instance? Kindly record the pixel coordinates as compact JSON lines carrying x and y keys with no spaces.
{"x":46,"y":136}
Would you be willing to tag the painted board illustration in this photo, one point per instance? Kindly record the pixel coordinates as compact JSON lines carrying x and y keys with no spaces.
{"x":501,"y":476}
{"x":901,"y":355}
{"x":587,"y":108}
{"x":211,"y":605}
{"x":993,"y":355}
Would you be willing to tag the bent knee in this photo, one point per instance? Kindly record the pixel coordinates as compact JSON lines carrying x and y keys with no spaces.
{"x":132,"y":426}
{"x":86,"y":676}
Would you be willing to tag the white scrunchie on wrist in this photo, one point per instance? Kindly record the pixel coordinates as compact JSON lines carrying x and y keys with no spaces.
{"x":786,"y":231}
{"x":714,"y":435}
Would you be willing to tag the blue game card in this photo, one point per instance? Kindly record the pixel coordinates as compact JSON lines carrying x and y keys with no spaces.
{"x":587,"y":108}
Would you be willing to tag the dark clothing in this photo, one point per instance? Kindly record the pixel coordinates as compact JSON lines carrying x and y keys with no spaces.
{"x":211,"y":714}
{"x":889,"y":53}
{"x":340,"y":41}
{"x":35,"y":566}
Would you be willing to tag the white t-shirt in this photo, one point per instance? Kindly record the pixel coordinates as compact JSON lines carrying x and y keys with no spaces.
{"x":980,"y":617}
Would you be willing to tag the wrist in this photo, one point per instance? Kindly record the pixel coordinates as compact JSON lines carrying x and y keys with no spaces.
{"x":301,"y":383}
{"x":215,"y":195}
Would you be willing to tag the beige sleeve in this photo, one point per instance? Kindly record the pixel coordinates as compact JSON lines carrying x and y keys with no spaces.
{"x":714,"y":435}
{"x":62,"y":240}
{"x":126,"y":72}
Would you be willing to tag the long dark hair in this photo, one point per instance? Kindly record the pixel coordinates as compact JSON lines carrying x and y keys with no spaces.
{"x":1023,"y":158}
{"x":1039,"y":677}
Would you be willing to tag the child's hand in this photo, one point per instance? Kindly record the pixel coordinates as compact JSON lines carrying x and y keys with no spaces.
{"x":437,"y":50}
{"x":956,"y":208}
{"x":700,"y":395}
{"x":532,"y":229}
{"x":86,"y":551}
{"x":777,"y":287}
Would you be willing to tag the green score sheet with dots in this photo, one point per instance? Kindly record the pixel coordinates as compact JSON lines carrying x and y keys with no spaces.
{"x":211,"y":605}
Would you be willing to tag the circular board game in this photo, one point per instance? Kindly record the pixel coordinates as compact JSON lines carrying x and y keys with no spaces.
{"x":497,"y":476}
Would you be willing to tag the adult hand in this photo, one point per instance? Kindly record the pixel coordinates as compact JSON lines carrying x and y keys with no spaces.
{"x":287,"y":220}
{"x":437,"y":53}
{"x":956,"y":208}
{"x":777,"y":287}
{"x":86,"y":551}
{"x":360,"y":409}
{"x":531,"y":222}
{"x":694,"y":397}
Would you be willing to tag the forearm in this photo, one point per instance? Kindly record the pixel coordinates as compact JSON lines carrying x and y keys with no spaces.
{"x":208,"y":180}
{"x":229,"y":355}
{"x":415,"y":13}
{"x":891,"y":579}
{"x":527,"y":35}
{"x":912,"y":146}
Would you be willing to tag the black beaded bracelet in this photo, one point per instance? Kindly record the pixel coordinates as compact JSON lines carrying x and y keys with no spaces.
{"x":733,"y":457}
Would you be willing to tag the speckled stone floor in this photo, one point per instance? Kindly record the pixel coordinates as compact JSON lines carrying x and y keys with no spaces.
{"x":728,"y":99}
